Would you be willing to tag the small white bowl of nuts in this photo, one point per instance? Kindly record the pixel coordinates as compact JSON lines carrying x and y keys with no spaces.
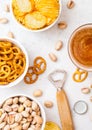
{"x":21,"y":112}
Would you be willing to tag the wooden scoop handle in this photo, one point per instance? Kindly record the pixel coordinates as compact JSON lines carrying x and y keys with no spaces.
{"x":64,"y":111}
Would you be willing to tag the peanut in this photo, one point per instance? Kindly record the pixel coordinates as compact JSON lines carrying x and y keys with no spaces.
{"x":37,"y":93}
{"x":23,"y":121}
{"x":85,"y":90}
{"x":0,"y":113}
{"x":34,"y":122}
{"x":38,"y":119}
{"x":58,"y":45}
{"x":33,"y":114}
{"x":91,"y":86}
{"x":53,"y":57}
{"x":30,"y":128}
{"x":20,"y":108}
{"x":33,"y":127}
{"x":3,"y":116}
{"x":29,"y":119}
{"x":13,"y":125}
{"x":9,"y":101}
{"x":0,"y":105}
{"x":34,"y":106}
{"x":15,"y":100}
{"x":10,"y":119}
{"x":2,"y":125}
{"x":22,"y":99}
{"x":38,"y":126}
{"x":7,"y":8}
{"x":48,"y":104}
{"x":62,"y":25}
{"x":13,"y":113}
{"x":4,"y":20}
{"x":7,"y":127}
{"x":70,"y":4}
{"x":7,"y":108}
{"x":91,"y":98}
{"x":19,"y":127}
{"x":25,"y":114}
{"x":10,"y":34}
{"x":27,"y":103}
{"x":15,"y":107}
{"x":25,"y":126}
{"x":28,"y":109}
{"x":18,"y":117}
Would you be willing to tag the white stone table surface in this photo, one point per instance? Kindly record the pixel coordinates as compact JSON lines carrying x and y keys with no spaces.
{"x":42,"y":43}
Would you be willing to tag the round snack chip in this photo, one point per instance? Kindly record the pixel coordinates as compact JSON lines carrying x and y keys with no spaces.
{"x":25,"y":5}
{"x":51,"y":126}
{"x":35,"y":20}
{"x":17,"y":12}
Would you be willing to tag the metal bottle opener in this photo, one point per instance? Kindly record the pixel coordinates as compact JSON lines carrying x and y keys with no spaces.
{"x":62,"y":101}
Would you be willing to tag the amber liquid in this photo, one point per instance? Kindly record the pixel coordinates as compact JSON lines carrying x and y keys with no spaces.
{"x":81,"y":46}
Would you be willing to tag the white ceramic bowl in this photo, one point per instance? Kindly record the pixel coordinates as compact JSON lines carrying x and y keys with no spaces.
{"x":33,"y":99}
{"x":39,"y":30}
{"x":27,"y":62}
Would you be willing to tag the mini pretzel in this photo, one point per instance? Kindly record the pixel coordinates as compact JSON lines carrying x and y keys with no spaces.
{"x":3,"y":82}
{"x":5,"y":50}
{"x":6,"y":57}
{"x":30,"y":77}
{"x":12,"y":76}
{"x":5,"y":44}
{"x":2,"y":62}
{"x":19,"y":61}
{"x":19,"y":70}
{"x":80,"y":75}
{"x":10,"y":64}
{"x":4,"y":71}
{"x":40,"y":65}
{"x":16,"y":50}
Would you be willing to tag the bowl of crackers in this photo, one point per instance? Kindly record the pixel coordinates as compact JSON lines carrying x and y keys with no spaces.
{"x":22,"y":112}
{"x":13,"y":62}
{"x":36,"y":15}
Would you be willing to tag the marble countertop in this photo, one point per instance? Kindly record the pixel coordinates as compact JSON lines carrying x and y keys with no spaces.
{"x":42,"y":43}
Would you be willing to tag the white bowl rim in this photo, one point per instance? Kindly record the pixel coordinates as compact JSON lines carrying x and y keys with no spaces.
{"x":33,"y":99}
{"x":39,"y":30}
{"x":27,"y":62}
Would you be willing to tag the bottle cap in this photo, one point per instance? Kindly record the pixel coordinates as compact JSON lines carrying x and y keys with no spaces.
{"x":80,"y":107}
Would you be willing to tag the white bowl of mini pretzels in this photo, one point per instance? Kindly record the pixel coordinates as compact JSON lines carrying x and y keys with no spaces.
{"x":21,"y":112}
{"x":36,"y":15}
{"x":13,"y":62}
